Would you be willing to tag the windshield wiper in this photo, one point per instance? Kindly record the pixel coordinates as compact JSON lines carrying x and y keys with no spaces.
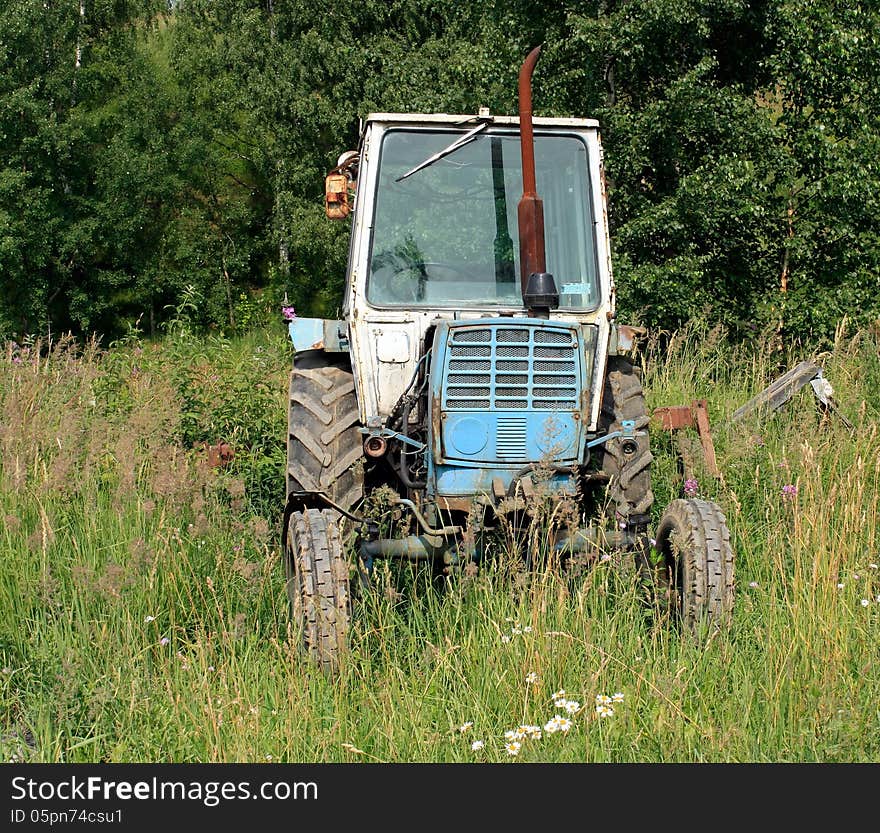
{"x":459,"y":142}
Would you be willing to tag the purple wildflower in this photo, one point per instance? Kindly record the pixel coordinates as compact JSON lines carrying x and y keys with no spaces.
{"x":691,"y":487}
{"x":288,"y":313}
{"x":789,"y":491}
{"x":164,"y":641}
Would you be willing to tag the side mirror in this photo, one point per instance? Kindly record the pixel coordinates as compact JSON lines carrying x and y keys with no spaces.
{"x":337,"y":183}
{"x":336,"y":205}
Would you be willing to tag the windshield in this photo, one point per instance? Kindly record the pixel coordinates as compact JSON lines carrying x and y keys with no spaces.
{"x":447,"y":233}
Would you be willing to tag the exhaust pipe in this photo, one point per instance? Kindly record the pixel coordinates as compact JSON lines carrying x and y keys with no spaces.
{"x":539,"y":291}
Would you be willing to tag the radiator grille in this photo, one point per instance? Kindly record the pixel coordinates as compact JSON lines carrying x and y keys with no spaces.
{"x":512,"y":368}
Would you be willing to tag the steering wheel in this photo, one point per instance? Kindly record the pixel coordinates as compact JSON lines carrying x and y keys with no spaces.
{"x":454,"y":271}
{"x":393,"y":288}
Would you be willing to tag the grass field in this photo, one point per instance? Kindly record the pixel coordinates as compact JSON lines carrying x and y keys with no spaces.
{"x":143,"y":615}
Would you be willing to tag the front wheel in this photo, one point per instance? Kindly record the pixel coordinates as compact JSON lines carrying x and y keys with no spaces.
{"x":318,"y":585}
{"x":694,"y":574}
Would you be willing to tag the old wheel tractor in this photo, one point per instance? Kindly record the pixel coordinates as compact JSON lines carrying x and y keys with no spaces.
{"x":478,"y":363}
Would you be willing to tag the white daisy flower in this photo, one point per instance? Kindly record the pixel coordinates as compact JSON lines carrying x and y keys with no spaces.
{"x":865,"y":603}
{"x":571,"y":706}
{"x":477,"y":745}
{"x":603,"y":700}
{"x":513,"y":748}
{"x":557,"y":696}
{"x":527,"y":629}
{"x":149,"y":619}
{"x":564,"y":724}
{"x":465,"y":726}
{"x":531,"y":677}
{"x":604,"y":711}
{"x":617,"y":697}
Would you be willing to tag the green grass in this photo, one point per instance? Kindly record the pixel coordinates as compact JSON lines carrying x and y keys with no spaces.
{"x":118,"y":536}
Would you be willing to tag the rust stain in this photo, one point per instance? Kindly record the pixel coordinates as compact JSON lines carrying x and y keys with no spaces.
{"x":219,"y":454}
{"x":436,"y":427}
{"x":696,"y":416}
{"x":455,"y":504}
{"x":674,"y":417}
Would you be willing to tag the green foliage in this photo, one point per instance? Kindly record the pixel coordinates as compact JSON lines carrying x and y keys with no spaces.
{"x":143,"y":615}
{"x":146,"y":150}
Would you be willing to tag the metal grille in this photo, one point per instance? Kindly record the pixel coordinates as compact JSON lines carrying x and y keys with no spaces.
{"x":555,"y":404}
{"x":468,"y":351}
{"x":470,"y":365}
{"x":513,"y":368}
{"x":556,"y":367}
{"x":505,"y":351}
{"x":466,"y":336}
{"x":467,"y":391}
{"x":469,"y":378}
{"x":552,"y":337}
{"x":511,"y":438}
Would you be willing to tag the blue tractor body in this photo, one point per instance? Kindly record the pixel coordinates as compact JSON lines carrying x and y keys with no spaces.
{"x":507,"y":395}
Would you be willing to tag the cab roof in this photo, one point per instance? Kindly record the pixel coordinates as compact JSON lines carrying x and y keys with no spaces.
{"x":464,"y":120}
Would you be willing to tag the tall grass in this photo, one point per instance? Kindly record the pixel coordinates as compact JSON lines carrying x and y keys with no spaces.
{"x":144,"y":616}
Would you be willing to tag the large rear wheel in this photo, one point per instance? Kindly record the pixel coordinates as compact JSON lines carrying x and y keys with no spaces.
{"x":318,"y":585}
{"x":626,"y":461}
{"x":324,"y":444}
{"x":695,"y":571}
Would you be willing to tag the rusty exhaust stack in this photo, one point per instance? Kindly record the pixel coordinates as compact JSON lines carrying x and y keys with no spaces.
{"x":538,"y":288}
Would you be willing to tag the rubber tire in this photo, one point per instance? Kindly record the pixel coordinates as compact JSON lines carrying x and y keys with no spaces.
{"x":629,"y":484}
{"x":696,"y":568}
{"x":323,"y":440}
{"x":318,"y":586}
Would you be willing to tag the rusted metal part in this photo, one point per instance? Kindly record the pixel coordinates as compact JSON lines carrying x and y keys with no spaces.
{"x":455,"y":504}
{"x":436,"y":428}
{"x":423,"y":522}
{"x":530,"y":211}
{"x":219,"y":454}
{"x":701,"y":415}
{"x":696,"y":416}
{"x":674,"y":417}
{"x":336,"y":196}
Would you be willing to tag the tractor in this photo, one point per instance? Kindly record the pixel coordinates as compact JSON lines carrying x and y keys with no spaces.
{"x":477,"y":368}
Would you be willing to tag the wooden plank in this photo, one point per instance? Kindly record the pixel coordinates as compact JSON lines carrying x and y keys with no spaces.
{"x":775,"y":395}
